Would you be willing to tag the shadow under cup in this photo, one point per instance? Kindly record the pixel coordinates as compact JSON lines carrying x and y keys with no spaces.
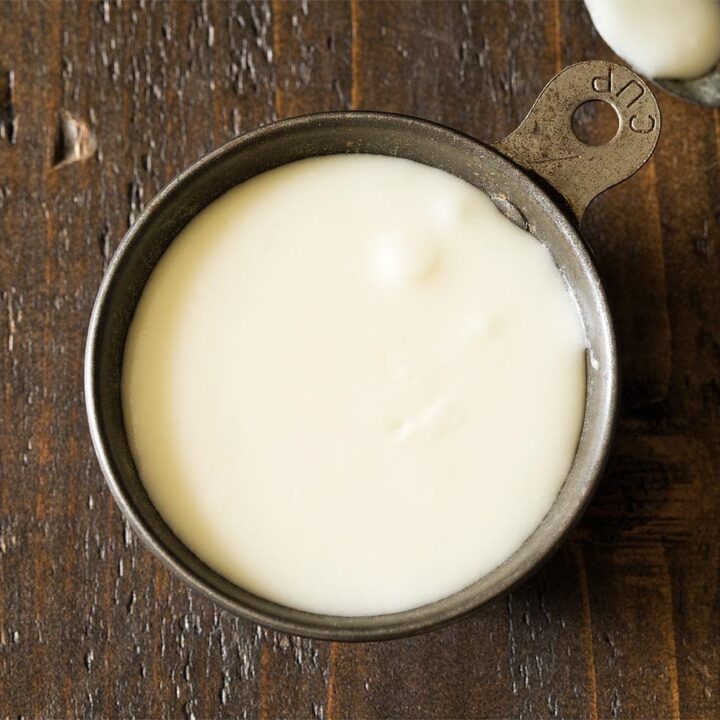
{"x":262,"y":150}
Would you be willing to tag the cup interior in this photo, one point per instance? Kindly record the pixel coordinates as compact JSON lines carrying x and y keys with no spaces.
{"x":262,"y":150}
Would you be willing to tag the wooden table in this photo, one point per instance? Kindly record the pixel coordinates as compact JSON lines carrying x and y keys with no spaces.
{"x":623,"y":622}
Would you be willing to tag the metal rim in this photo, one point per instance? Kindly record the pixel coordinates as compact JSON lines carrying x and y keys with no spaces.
{"x":522,"y":563}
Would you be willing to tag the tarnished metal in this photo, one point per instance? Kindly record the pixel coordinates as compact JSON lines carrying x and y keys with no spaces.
{"x":545,"y":142}
{"x":704,"y":90}
{"x":513,"y":190}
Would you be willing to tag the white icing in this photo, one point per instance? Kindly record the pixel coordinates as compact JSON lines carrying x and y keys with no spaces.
{"x":352,"y":386}
{"x":661,"y":38}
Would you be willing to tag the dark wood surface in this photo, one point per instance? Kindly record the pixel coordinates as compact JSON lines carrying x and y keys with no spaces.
{"x":624,"y":622}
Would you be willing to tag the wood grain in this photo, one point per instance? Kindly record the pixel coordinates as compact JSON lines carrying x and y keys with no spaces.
{"x":622,"y":623}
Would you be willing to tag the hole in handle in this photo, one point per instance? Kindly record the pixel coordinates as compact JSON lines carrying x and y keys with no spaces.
{"x":595,"y":122}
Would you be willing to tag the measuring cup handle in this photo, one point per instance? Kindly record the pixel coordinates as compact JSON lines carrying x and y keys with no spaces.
{"x":545,"y":143}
